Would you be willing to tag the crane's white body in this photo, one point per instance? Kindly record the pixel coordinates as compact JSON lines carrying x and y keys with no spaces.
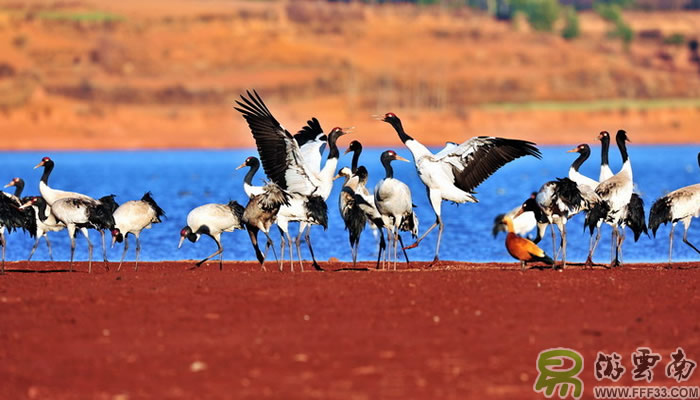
{"x":218,"y":218}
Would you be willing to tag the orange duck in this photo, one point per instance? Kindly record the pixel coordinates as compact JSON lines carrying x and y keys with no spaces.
{"x":523,"y":249}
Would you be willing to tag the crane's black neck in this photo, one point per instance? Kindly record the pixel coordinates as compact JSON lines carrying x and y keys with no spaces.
{"x":583,"y":156}
{"x":386,"y":162}
{"x":620,"y":139}
{"x":254,"y":167}
{"x":48,"y":167}
{"x":19,"y":187}
{"x":332,"y":146}
{"x":396,"y":123}
{"x":604,"y":148}
{"x":355,"y":158}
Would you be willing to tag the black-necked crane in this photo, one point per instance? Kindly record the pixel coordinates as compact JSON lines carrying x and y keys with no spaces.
{"x":45,"y":222}
{"x":11,"y":218}
{"x":131,"y":218}
{"x":282,"y":157}
{"x":615,"y":194}
{"x":455,"y":174}
{"x":52,"y":195}
{"x":81,"y":214}
{"x":523,"y":222}
{"x":523,"y":249}
{"x":394,"y":202}
{"x":253,"y":165}
{"x":605,"y":171}
{"x":18,"y":183}
{"x":680,"y":205}
{"x":212,"y":220}
{"x":357,"y":208}
{"x":259,"y":215}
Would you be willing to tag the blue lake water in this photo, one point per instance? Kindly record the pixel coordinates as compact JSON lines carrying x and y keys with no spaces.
{"x":182,"y":180}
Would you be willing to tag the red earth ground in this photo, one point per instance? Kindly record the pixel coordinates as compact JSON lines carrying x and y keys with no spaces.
{"x":455,"y":331}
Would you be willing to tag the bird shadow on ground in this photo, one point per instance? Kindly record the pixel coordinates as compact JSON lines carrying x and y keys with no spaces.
{"x":38,"y":271}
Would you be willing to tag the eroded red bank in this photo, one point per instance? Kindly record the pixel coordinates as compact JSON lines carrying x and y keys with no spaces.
{"x":457,"y":331}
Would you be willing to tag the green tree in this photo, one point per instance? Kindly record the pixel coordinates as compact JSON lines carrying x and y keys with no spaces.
{"x":571,"y":26}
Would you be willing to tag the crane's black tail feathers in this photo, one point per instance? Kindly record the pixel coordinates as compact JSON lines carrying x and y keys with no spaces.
{"x":635,"y":218}
{"x":660,"y":214}
{"x":148,"y":198}
{"x":597,"y":212}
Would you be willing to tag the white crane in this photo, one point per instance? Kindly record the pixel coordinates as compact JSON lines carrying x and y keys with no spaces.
{"x":131,"y":218}
{"x":212,"y":220}
{"x":454,"y":174}
{"x":680,"y":205}
{"x":394,"y":202}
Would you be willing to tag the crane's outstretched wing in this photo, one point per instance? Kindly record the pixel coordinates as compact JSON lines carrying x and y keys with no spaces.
{"x":449,"y":148}
{"x":311,"y":141}
{"x":478,"y":158}
{"x":279,"y":152}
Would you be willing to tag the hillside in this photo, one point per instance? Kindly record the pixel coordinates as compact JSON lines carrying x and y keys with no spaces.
{"x":164,"y":74}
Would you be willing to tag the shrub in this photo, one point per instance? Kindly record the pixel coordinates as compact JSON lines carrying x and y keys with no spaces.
{"x":571,"y":26}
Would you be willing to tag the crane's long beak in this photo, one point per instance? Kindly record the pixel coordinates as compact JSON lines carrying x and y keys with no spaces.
{"x":574,"y":150}
{"x":114,"y":240}
{"x":240,"y":166}
{"x":182,"y":239}
{"x":12,"y":183}
{"x":25,"y":205}
{"x":336,"y":177}
{"x":398,"y":157}
{"x":41,"y":164}
{"x":346,"y":152}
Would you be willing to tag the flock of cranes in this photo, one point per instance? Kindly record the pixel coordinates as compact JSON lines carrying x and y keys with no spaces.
{"x":299,"y":183}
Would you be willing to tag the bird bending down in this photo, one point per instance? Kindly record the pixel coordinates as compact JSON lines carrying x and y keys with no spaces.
{"x":292,"y":162}
{"x":523,"y":223}
{"x":454,"y":173}
{"x":523,"y":249}
{"x":394,"y":202}
{"x":212,"y":220}
{"x":131,"y":218}
{"x":680,"y":205}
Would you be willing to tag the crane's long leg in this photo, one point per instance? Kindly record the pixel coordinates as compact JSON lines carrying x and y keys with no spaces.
{"x":670,"y":242}
{"x":685,"y":235}
{"x":435,"y":198}
{"x":36,"y":244}
{"x":87,"y":237}
{"x":387,"y":252}
{"x":104,"y":249}
{"x":592,"y":246}
{"x":253,"y":234}
{"x":138,"y":253}
{"x":621,"y":240}
{"x":308,"y":241}
{"x":219,"y":250}
{"x":291,"y":253}
{"x":3,"y":244}
{"x":613,"y":249}
{"x":48,"y":244}
{"x":297,"y":242}
{"x":396,"y":245}
{"x":613,"y":238}
{"x":126,"y":247}
{"x":271,"y":245}
{"x":562,"y":229}
{"x":408,"y":263}
{"x":71,"y":234}
{"x":282,"y":246}
{"x":382,"y":247}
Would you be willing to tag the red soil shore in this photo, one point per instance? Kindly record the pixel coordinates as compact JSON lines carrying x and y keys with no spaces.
{"x":456,"y":331}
